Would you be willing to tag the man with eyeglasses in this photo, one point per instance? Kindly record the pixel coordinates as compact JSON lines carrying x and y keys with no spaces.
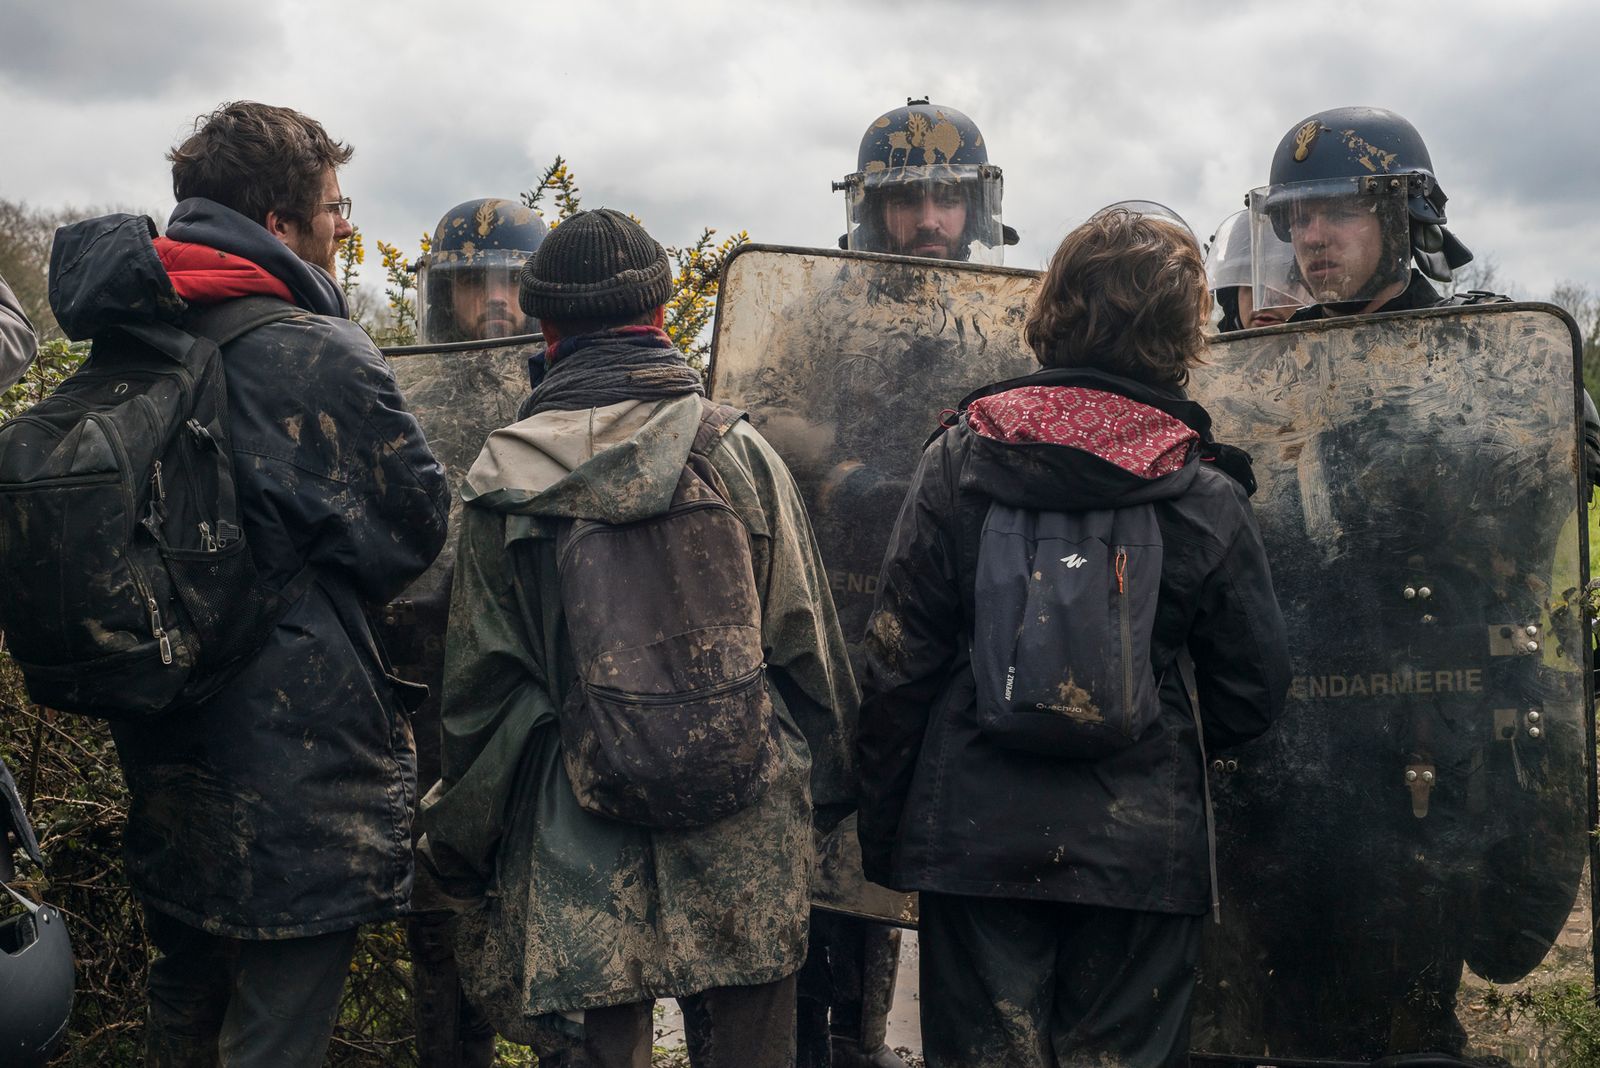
{"x":269,"y":821}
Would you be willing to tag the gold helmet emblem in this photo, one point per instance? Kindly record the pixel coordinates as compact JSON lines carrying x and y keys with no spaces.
{"x":935,"y":139}
{"x":1303,"y":140}
{"x":485,"y":217}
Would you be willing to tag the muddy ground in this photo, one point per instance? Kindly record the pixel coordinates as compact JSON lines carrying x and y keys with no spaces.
{"x":1520,"y":1042}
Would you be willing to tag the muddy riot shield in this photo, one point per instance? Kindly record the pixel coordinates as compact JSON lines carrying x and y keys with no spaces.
{"x":459,"y":393}
{"x":845,"y":361}
{"x":1412,"y":833}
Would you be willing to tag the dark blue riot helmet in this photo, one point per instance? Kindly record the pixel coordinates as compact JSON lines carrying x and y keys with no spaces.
{"x":467,"y":281}
{"x":930,"y":158}
{"x":1377,"y":149}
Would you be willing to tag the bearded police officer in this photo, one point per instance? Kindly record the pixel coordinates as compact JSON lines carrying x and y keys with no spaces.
{"x":924,"y":186}
{"x":466,"y":291}
{"x":467,"y":282}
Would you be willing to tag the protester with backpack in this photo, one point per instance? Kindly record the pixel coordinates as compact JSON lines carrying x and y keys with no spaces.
{"x":1030,"y":757}
{"x":268,"y":818}
{"x":643,"y":680}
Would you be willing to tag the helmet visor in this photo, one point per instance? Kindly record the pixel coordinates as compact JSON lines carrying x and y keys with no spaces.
{"x":470,"y":297}
{"x":942,"y":211}
{"x":1231,"y":265}
{"x":1343,"y":239}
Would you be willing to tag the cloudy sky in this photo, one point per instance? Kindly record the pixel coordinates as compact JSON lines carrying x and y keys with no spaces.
{"x":738,"y":114}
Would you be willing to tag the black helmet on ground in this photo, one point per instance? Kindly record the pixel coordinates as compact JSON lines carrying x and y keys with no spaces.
{"x":467,"y":281}
{"x":36,"y":971}
{"x":924,"y":186}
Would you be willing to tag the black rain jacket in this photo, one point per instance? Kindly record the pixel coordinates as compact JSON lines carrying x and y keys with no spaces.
{"x":281,"y":807}
{"x":945,"y":810}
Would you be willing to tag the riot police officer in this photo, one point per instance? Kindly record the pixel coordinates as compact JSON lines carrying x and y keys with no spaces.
{"x":467,"y":281}
{"x":466,"y":291}
{"x":1355,"y":206}
{"x":1445,"y":868}
{"x":1231,"y":270}
{"x":924,"y":186}
{"x":1353,"y":200}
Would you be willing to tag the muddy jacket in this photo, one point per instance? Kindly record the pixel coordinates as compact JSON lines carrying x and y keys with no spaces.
{"x":18,"y":345}
{"x":945,"y":810}
{"x":584,"y":911}
{"x":280,"y":807}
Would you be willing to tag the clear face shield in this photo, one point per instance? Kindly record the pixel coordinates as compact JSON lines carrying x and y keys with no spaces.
{"x":1346,"y":239}
{"x":1231,"y":265}
{"x":472,"y":296}
{"x":943,"y":211}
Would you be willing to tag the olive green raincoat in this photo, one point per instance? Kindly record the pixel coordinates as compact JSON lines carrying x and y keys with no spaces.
{"x":571,"y":910}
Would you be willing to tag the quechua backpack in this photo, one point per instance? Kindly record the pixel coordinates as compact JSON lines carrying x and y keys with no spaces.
{"x":669,"y":722}
{"x":1065,"y":608}
{"x":126,"y":586}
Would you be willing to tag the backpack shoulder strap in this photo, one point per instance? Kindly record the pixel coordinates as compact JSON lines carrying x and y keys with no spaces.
{"x":715,"y":422}
{"x":1191,"y":687}
{"x":219,"y":324}
{"x":232,"y":319}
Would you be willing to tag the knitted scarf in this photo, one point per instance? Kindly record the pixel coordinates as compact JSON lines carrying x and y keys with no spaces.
{"x":594,"y":370}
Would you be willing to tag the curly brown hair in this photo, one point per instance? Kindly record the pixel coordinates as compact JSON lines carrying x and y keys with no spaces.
{"x":1125,"y":293}
{"x":256,"y":158}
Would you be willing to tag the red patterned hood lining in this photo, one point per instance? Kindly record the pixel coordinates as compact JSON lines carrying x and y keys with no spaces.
{"x":1142,"y":440}
{"x":203,"y":275}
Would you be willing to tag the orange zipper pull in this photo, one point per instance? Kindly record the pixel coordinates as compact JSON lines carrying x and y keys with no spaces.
{"x":1122,"y":569}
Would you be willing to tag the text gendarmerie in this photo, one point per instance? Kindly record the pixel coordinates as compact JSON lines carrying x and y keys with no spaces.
{"x":1413,"y":681}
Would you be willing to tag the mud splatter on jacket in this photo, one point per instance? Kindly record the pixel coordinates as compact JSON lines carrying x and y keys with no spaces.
{"x":280,"y":807}
{"x":577,"y":911}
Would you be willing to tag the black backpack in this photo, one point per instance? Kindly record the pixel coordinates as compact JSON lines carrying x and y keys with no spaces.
{"x":668,"y":722}
{"x":1064,"y":612}
{"x":126,"y":586}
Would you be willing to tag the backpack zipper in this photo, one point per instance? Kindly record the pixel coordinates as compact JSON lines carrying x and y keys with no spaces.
{"x":157,"y":631}
{"x":1126,"y":611}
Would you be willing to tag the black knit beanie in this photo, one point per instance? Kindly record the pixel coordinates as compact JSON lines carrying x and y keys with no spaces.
{"x":596,"y":265}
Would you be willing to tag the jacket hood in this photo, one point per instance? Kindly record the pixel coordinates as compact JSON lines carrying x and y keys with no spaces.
{"x":616,"y":464}
{"x":105,"y":272}
{"x":205,"y":222}
{"x":1081,"y":439}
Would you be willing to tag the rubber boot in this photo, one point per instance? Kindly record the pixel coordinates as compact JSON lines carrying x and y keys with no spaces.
{"x":867,"y":1047}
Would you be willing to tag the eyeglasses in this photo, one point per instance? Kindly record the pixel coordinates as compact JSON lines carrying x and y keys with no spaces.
{"x":340,"y":207}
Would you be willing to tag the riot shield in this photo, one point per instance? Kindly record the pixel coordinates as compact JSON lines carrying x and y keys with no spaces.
{"x":1424,"y":802}
{"x":459,"y":393}
{"x":845,"y":361}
